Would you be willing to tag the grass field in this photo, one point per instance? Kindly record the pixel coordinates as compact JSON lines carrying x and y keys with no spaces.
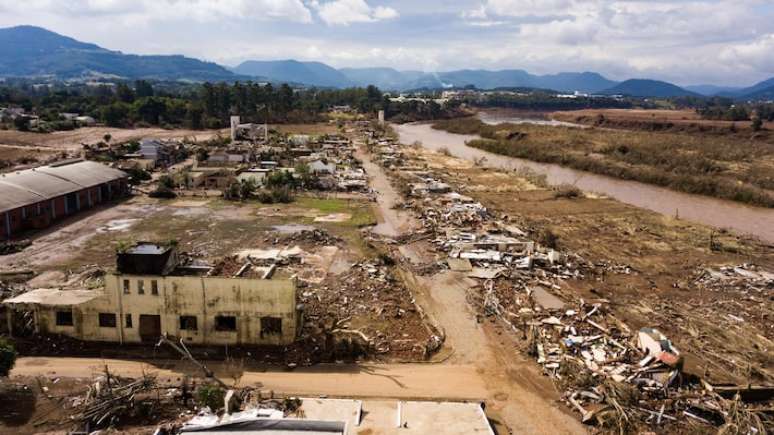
{"x":729,"y":167}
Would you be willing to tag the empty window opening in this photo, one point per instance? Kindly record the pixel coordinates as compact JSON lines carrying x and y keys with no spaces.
{"x":64,"y":318}
{"x":128,"y":321}
{"x":225,"y":323}
{"x":154,"y":287}
{"x":140,"y":287}
{"x":107,"y":320}
{"x":188,"y":323}
{"x":126,"y":286}
{"x":271,"y":326}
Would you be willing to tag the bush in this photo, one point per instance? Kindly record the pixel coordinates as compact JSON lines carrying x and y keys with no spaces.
{"x":281,"y":195}
{"x":548,"y":239}
{"x":7,"y":357}
{"x":566,"y":190}
{"x":137,"y":176}
{"x":211,"y":396}
{"x":167,"y":182}
{"x":163,"y":192}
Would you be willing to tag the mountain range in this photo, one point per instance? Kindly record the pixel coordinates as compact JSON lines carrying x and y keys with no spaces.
{"x":27,"y":51}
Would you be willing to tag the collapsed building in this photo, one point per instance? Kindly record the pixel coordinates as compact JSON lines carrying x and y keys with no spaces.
{"x":153,"y":293}
{"x":36,"y":198}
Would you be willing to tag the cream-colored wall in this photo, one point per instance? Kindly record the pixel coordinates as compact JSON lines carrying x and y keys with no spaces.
{"x":204,"y":297}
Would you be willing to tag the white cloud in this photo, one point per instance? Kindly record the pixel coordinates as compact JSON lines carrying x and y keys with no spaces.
{"x":756,"y":55}
{"x":345,"y":12}
{"x":156,"y":10}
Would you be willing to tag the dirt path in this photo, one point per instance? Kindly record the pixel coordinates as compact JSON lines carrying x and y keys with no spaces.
{"x":399,"y":381}
{"x":392,"y":222}
{"x":516,"y":391}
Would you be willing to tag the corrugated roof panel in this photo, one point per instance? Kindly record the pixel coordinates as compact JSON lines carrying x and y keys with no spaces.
{"x":36,"y":181}
{"x":30,"y":186}
{"x":86,"y":173}
{"x":12,"y":197}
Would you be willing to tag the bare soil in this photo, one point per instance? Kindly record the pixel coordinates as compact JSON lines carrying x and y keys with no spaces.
{"x":72,"y":140}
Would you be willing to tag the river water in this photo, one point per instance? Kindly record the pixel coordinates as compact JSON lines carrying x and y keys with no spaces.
{"x":718,"y":213}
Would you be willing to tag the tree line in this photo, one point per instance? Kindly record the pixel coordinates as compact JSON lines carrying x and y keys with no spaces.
{"x":201,"y":106}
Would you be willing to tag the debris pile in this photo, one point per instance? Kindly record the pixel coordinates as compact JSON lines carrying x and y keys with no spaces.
{"x":617,"y":379}
{"x":747,"y":278}
{"x":345,"y":309}
{"x":316,"y":237}
{"x":111,"y":399}
{"x":13,"y":246}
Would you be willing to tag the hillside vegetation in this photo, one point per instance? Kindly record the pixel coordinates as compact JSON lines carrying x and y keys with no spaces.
{"x":722,"y":167}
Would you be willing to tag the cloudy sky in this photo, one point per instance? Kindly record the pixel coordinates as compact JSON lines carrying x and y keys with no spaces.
{"x":725,"y":42}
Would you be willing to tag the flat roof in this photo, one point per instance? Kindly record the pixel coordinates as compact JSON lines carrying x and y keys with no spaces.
{"x":30,"y":186}
{"x":147,"y":249}
{"x":53,"y":297}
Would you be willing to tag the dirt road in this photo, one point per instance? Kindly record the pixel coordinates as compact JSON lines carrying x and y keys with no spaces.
{"x":392,"y":222}
{"x":400,"y":381}
{"x":516,"y":391}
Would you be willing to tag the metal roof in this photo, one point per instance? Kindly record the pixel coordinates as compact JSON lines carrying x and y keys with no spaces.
{"x":85,"y":173}
{"x":12,"y":197}
{"x":40,"y":183}
{"x":31,"y":186}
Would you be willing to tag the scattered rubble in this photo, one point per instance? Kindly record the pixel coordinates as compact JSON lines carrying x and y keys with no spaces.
{"x":617,"y":379}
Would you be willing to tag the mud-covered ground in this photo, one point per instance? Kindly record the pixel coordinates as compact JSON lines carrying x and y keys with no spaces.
{"x":725,"y":329}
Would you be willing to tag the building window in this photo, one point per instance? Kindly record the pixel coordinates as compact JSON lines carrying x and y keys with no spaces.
{"x":64,"y":318}
{"x":128,"y":320}
{"x":154,"y":287}
{"x":225,"y":323}
{"x":271,"y":326}
{"x":126,"y":286}
{"x":140,"y":287}
{"x":107,"y":320}
{"x":188,"y":323}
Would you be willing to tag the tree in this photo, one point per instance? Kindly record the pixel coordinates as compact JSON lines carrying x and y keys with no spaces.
{"x":143,"y":89}
{"x":21,"y":123}
{"x":116,"y":115}
{"x":306,"y":178}
{"x":124,"y":93}
{"x":247,"y":188}
{"x":7,"y":357}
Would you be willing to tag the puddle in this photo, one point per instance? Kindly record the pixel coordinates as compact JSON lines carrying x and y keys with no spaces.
{"x":117,"y":225}
{"x":191,"y":211}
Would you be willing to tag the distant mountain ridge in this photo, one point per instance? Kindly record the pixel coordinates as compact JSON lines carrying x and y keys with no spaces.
{"x":759,"y":91}
{"x":308,"y":73}
{"x":27,"y":51}
{"x":391,"y":79}
{"x":649,"y":88}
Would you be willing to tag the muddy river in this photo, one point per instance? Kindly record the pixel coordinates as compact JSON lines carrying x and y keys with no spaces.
{"x":709,"y":211}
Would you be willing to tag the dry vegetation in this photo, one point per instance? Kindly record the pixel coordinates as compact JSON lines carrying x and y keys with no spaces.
{"x":735,"y":167}
{"x":673,"y":120}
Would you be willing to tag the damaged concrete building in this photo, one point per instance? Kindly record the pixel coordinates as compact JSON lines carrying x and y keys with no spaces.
{"x":151,"y":294}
